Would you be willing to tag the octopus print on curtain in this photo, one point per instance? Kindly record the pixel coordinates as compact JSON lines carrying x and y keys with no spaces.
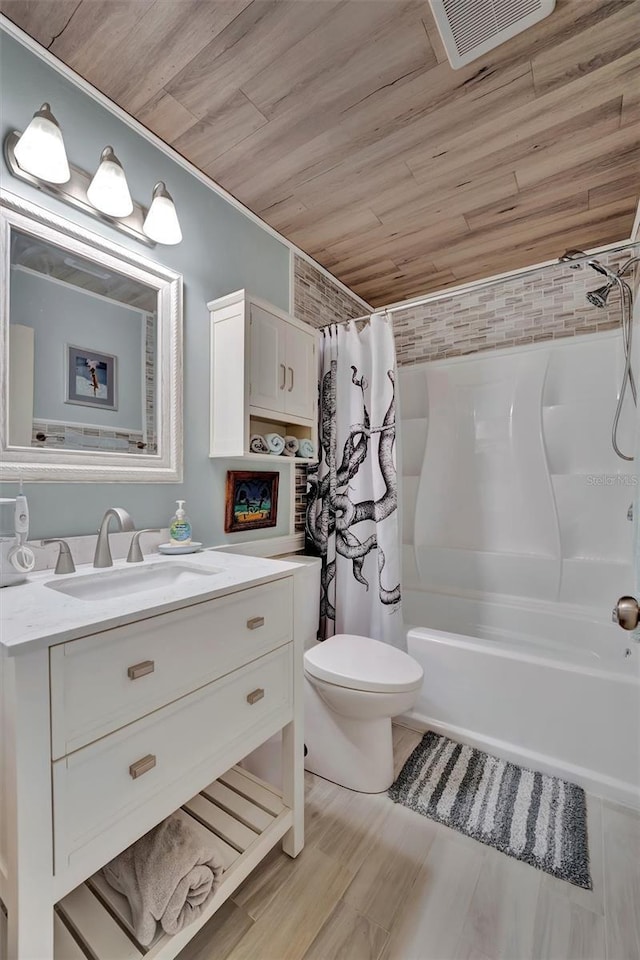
{"x":352,"y":512}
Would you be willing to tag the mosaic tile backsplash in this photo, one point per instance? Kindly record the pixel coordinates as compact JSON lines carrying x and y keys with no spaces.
{"x":317,"y":300}
{"x":544,"y":305}
{"x":300,"y":506}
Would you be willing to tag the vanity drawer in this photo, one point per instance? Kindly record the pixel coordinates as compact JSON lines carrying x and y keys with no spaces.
{"x":111,"y":792}
{"x":105,"y":681}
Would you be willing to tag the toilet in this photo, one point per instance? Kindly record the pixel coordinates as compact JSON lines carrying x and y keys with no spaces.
{"x":353,"y":687}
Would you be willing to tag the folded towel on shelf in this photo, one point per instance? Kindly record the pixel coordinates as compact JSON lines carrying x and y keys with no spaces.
{"x":306,"y":449}
{"x":291,"y":446}
{"x":275,"y":443}
{"x":168,"y":875}
{"x":258,"y":444}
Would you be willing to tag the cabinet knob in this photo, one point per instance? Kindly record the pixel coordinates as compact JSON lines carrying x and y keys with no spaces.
{"x":141,"y":669}
{"x":284,"y":376}
{"x":255,"y":622}
{"x":291,"y":384}
{"x":143,"y":765}
{"x":255,"y":695}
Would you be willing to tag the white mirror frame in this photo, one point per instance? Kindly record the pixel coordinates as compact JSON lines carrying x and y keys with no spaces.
{"x":82,"y":466}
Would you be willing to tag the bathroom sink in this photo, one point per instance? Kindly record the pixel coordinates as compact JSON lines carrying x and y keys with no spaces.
{"x":127,"y":580}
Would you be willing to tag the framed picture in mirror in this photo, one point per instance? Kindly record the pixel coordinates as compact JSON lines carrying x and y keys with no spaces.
{"x":91,"y":378}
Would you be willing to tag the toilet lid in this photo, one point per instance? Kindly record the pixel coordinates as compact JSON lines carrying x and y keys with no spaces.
{"x":362,"y":663}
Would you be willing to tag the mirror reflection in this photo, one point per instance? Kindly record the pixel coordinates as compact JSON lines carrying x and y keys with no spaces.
{"x":82,"y":353}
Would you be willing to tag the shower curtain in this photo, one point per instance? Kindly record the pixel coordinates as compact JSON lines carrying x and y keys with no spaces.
{"x":352,"y":512}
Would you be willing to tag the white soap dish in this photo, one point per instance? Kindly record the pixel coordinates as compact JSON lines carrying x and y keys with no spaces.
{"x":192,"y":547}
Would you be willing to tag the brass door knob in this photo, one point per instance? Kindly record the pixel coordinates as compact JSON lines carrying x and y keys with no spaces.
{"x":626,"y":613}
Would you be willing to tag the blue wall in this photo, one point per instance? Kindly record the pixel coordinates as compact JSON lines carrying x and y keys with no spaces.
{"x":60,"y":315}
{"x":222,"y":251}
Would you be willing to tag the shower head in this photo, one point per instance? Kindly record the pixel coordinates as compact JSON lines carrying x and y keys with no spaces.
{"x":600,"y":296}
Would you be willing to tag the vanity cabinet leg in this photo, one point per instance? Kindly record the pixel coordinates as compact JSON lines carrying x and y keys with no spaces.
{"x":293,"y":785}
{"x":27,"y":808}
{"x":30,"y":935}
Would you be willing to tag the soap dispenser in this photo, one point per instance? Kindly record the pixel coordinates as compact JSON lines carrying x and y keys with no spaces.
{"x":180,"y":528}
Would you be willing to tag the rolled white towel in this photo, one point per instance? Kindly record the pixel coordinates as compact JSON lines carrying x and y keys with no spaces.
{"x":306,"y":449}
{"x":291,"y":446}
{"x":275,"y":443}
{"x":258,"y":444}
{"x":168,"y":875}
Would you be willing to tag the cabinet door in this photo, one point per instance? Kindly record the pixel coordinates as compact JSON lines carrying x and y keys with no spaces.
{"x":301,"y":388}
{"x":268,"y":360}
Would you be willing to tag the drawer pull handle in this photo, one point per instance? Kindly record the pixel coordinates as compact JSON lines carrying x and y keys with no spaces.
{"x":255,"y":695}
{"x":142,"y":766}
{"x":141,"y":669}
{"x":255,"y":622}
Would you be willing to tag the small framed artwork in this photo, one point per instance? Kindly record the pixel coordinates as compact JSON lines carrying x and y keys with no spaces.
{"x":91,"y":378}
{"x":251,"y":500}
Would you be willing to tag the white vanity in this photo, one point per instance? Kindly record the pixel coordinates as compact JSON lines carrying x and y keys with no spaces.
{"x":121,"y":703}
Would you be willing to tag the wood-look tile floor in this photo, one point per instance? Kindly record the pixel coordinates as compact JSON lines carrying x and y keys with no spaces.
{"x":377,"y":881}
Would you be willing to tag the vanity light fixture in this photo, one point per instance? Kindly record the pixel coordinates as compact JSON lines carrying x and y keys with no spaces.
{"x":109,"y":190}
{"x":38,"y":157}
{"x":161,"y":223}
{"x":40,"y":150}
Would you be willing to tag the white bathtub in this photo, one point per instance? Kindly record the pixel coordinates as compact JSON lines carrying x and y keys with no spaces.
{"x":545,"y":684}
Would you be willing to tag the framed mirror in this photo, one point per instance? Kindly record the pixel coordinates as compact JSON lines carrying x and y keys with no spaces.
{"x":90,"y":355}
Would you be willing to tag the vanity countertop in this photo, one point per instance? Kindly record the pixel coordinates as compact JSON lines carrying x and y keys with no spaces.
{"x":34,"y":616}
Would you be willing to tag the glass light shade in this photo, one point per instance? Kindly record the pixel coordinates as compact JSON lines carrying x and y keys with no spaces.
{"x":161,"y":223}
{"x":40,"y":150}
{"x":109,"y":191}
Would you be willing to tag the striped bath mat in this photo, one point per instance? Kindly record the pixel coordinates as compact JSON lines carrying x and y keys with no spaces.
{"x":533,"y":817}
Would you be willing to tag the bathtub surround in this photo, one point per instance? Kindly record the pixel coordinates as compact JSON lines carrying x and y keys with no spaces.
{"x":548,"y":304}
{"x":352,"y":514}
{"x":517,"y":541}
{"x":535,"y":818}
{"x":514,"y":446}
{"x":516,"y":547}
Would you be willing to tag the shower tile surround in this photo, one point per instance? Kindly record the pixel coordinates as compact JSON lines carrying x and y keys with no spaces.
{"x":545,"y":305}
{"x":317,"y":300}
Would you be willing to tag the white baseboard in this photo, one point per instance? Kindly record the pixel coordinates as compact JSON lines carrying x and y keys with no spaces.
{"x":601,"y":786}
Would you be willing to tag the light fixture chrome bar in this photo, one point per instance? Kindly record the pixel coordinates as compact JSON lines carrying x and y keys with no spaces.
{"x":74,"y":192}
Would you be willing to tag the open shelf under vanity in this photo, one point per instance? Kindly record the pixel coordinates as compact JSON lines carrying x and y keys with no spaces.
{"x":247,"y":816}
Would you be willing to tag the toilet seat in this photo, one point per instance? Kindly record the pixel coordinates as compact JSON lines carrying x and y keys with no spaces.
{"x":361,"y":663}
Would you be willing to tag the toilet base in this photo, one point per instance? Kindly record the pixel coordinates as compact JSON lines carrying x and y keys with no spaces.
{"x":357,"y":754}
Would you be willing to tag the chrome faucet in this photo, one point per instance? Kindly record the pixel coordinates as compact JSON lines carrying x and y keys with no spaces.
{"x":102,"y":557}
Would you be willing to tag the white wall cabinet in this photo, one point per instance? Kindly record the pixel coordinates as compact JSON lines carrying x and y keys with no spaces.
{"x":301,"y":385}
{"x":282,"y":374}
{"x":263,"y":375}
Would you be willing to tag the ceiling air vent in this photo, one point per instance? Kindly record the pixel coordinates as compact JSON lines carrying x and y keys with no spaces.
{"x":469,"y":28}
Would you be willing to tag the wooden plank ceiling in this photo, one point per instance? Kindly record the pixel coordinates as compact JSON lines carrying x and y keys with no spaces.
{"x":342,"y":124}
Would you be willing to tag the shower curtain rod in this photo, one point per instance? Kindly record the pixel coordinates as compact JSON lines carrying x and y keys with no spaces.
{"x":487,"y":282}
